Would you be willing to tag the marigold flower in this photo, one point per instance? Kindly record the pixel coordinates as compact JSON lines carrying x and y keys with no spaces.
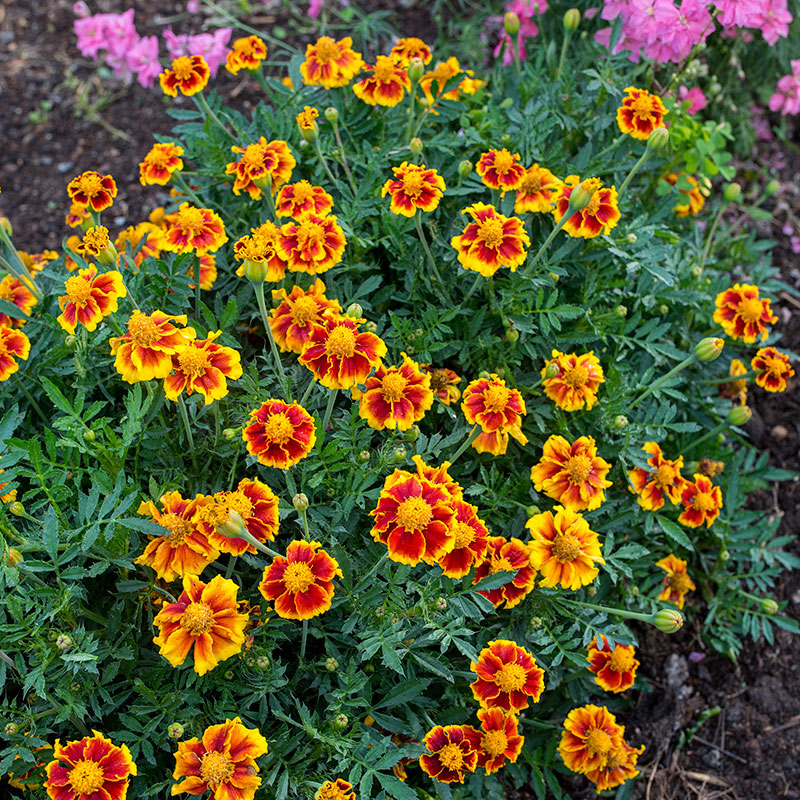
{"x":294,"y":319}
{"x":444,"y":71}
{"x":339,"y":355}
{"x":497,"y":409}
{"x":335,"y":790}
{"x":538,"y":191}
{"x":396,"y":397}
{"x":702,"y":501}
{"x":444,"y":383}
{"x":414,"y":519}
{"x":279,"y":434}
{"x":572,"y":474}
{"x":94,"y":767}
{"x":14,"y":345}
{"x":742,"y":313}
{"x":438,"y":476}
{"x":600,"y":216}
{"x":14,"y":291}
{"x":76,"y":215}
{"x":302,"y":583}
{"x":298,"y":200}
{"x":564,"y":549}
{"x":330,"y":63}
{"x":413,"y":187}
{"x":9,"y":497}
{"x":95,"y":243}
{"x":664,"y":480}
{"x":194,"y":229}
{"x":640,"y":113}
{"x":307,"y":119}
{"x":575,"y":384}
{"x":312,"y":245}
{"x":190,"y":74}
{"x":507,"y":677}
{"x":385,"y":85}
{"x":500,"y":169}
{"x":677,"y":582}
{"x":163,"y":159}
{"x":208,"y":271}
{"x":259,"y":254}
{"x":491,"y":241}
{"x":145,"y":239}
{"x":469,"y":542}
{"x":614,"y":666}
{"x":619,"y":766}
{"x":506,"y":555}
{"x":222,"y":762}
{"x":773,"y":369}
{"x":736,"y":389}
{"x":452,"y":752}
{"x":92,"y":190}
{"x":89,"y":298}
{"x":694,"y":197}
{"x":246,"y":53}
{"x":410,"y":47}
{"x":36,"y":262}
{"x":500,"y":740}
{"x":589,"y":736}
{"x":206,"y":618}
{"x":262,"y":166}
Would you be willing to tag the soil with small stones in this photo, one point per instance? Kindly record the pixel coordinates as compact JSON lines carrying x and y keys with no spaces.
{"x":751,"y":749}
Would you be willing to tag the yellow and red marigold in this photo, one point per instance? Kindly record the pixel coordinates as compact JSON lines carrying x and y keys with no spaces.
{"x":96,"y":244}
{"x":702,"y":501}
{"x":508,"y":677}
{"x":491,"y":241}
{"x":189,"y":74}
{"x":742,"y":313}
{"x":194,"y":229}
{"x":664,"y":480}
{"x":163,"y":159}
{"x":76,"y":215}
{"x":313,"y":245}
{"x":89,"y":298}
{"x":619,"y":766}
{"x":279,"y":434}
{"x":335,"y":790}
{"x":128,"y":247}
{"x":262,"y":166}
{"x":410,"y":47}
{"x":572,"y":474}
{"x":590,"y":734}
{"x":452,"y":752}
{"x":444,"y":383}
{"x":469,"y":542}
{"x":396,"y":397}
{"x":223,"y":762}
{"x":773,"y":369}
{"x":439,"y":476}
{"x":259,"y":254}
{"x":574,"y":386}
{"x":499,"y":739}
{"x":93,"y":191}
{"x":736,"y":389}
{"x":444,"y":71}
{"x":414,"y":187}
{"x":538,"y":191}
{"x":299,"y":311}
{"x":14,"y":291}
{"x":694,"y":197}
{"x":614,"y":666}
{"x":298,"y":200}
{"x":302,"y":583}
{"x":506,"y":555}
{"x":500,"y":169}
{"x":677,"y":582}
{"x":246,"y":53}
{"x":385,"y":84}
{"x":307,"y":123}
{"x":330,"y":63}
{"x":488,"y":402}
{"x":205,"y":618}
{"x":598,"y":217}
{"x":14,"y":344}
{"x":640,"y":113}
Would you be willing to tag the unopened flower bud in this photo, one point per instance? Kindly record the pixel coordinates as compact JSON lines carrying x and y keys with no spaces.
{"x":663,"y":309}
{"x":363,"y":456}
{"x":262,"y":662}
{"x":229,"y":434}
{"x":300,"y":502}
{"x":572,"y":18}
{"x":380,"y":611}
{"x":484,"y":375}
{"x":88,"y":435}
{"x":507,"y":102}
{"x":582,"y":195}
{"x":634,"y":590}
{"x":591,"y":591}
{"x":354,"y":310}
{"x":63,"y":642}
{"x":658,"y":139}
{"x":620,"y":422}
{"x":631,"y":238}
{"x":233,"y":527}
{"x":769,"y":606}
{"x":621,"y":310}
{"x":255,"y":271}
{"x":532,"y":511}
{"x":175,"y":730}
{"x":415,"y":69}
{"x":415,"y":146}
{"x":331,"y":664}
{"x":536,"y":622}
{"x":465,"y":168}
{"x":441,"y":603}
{"x":512,"y":335}
{"x":228,"y":675}
{"x":5,"y":224}
{"x":511,"y":23}
{"x":773,"y":187}
{"x":551,"y":370}
{"x":668,"y":620}
{"x":71,"y":340}
{"x":16,"y":508}
{"x":340,"y":721}
{"x":708,"y":349}
{"x":732,"y":192}
{"x":412,"y":434}
{"x":331,"y":114}
{"x":370,"y":327}
{"x":399,"y":454}
{"x":11,"y":728}
{"x":739,"y":415}
{"x":724,"y":555}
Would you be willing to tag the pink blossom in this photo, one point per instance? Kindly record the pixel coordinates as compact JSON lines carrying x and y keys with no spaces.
{"x":787,"y":229}
{"x":120,"y":34}
{"x":212,"y":46}
{"x":591,"y":13}
{"x":697,"y":100}
{"x":795,"y":242}
{"x":787,"y":97}
{"x":739,"y":13}
{"x":176,"y":45}
{"x":773,"y":20}
{"x":315,"y":8}
{"x":193,"y":6}
{"x":80,"y":9}
{"x":143,"y":60}
{"x":91,"y":33}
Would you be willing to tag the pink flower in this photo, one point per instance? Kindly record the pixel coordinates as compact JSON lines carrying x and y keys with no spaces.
{"x":80,"y":9}
{"x":143,"y":60}
{"x":91,"y":33}
{"x":193,"y":6}
{"x":787,"y":97}
{"x":795,"y":242}
{"x":697,"y":100}
{"x":739,"y":13}
{"x":315,"y":8}
{"x":774,"y":20}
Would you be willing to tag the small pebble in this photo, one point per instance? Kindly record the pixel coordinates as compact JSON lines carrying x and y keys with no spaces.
{"x":779,"y":432}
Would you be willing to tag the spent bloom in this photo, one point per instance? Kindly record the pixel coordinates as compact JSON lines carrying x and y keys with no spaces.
{"x":677,"y":582}
{"x":444,"y":383}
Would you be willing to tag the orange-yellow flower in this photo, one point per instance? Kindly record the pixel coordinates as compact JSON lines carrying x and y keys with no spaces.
{"x":385,"y":85}
{"x":438,"y":476}
{"x":298,"y":200}
{"x":508,"y":677}
{"x":452,"y":752}
{"x":575,"y":384}
{"x":94,"y":767}
{"x":702,"y":501}
{"x":640,"y":113}
{"x":339,"y":355}
{"x":36,"y":262}
{"x":163,"y":159}
{"x":205,"y":618}
{"x":742,"y":313}
{"x":307,"y":120}
{"x":335,"y":790}
{"x":491,"y":241}
{"x":259,"y":254}
{"x":664,"y":480}
{"x":736,"y":389}
{"x":313,"y":245}
{"x":444,"y":383}
{"x":500,"y":169}
{"x":92,"y":190}
{"x":14,"y":345}
{"x":773,"y":369}
{"x":414,"y":186}
{"x":89,"y":298}
{"x":96,"y":244}
{"x":302,"y":583}
{"x":396,"y":397}
{"x":469,"y":542}
{"x":184,"y":549}
{"x":600,"y":216}
{"x":538,"y":191}
{"x":572,"y":474}
{"x":208,"y":271}
{"x":614,"y":667}
{"x":500,"y":740}
{"x":506,"y":555}
{"x":262,"y":166}
{"x":8,"y":497}
{"x":488,"y":402}
{"x":13,"y":291}
{"x":410,"y":47}
{"x":694,"y":197}
{"x":222,"y":762}
{"x":330,"y":63}
{"x":76,"y":215}
{"x":294,"y":319}
{"x":128,"y":244}
{"x":279,"y":434}
{"x":194,"y":229}
{"x":619,"y":766}
{"x":590,"y":734}
{"x":677,"y":582}
{"x":190,"y":74}
{"x":444,"y":71}
{"x":245,"y":53}
{"x":564,"y":549}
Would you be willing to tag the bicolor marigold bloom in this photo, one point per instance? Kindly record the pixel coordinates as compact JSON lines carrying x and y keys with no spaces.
{"x":145,"y":352}
{"x":773,"y":369}
{"x":208,"y":271}
{"x":330,"y":63}
{"x":14,"y":291}
{"x":694,"y":197}
{"x":151,"y":247}
{"x":76,"y":215}
{"x":385,"y":85}
{"x":491,"y":241}
{"x":506,"y":555}
{"x":89,"y":298}
{"x":302,"y":583}
{"x":259,"y":254}
{"x":339,"y":355}
{"x":94,"y":767}
{"x":663,"y":481}
{"x":396,"y":397}
{"x":439,"y":476}
{"x":736,"y":389}
{"x":742,"y":313}
{"x":508,"y":677}
{"x":414,"y":519}
{"x":184,"y":549}
{"x":498,"y":410}
{"x":36,"y":262}
{"x":313,"y":244}
{"x":564,"y":549}
{"x":614,"y":667}
{"x":299,"y":311}
{"x":245,"y":53}
{"x":500,"y":740}
{"x":600,"y":216}
{"x":279,"y":434}
{"x":702,"y":501}
{"x":307,"y":120}
{"x":222,"y":762}
{"x":14,"y":344}
{"x":538,"y":191}
{"x":206,"y":618}
{"x":677,"y":582}
{"x":444,"y":383}
{"x":500,"y":169}
{"x":190,"y":74}
{"x":163,"y":159}
{"x":96,"y":244}
{"x":619,"y":766}
{"x":298,"y":200}
{"x":194,"y":229}
{"x":414,"y":187}
{"x":9,"y":497}
{"x":469,"y":541}
{"x":440,"y":76}
{"x":575,"y":384}
{"x":91,"y":190}
{"x":589,"y":736}
{"x":262,"y":166}
{"x":410,"y":47}
{"x":572,"y":474}
{"x":335,"y":790}
{"x":452,"y":752}
{"x":640,"y":113}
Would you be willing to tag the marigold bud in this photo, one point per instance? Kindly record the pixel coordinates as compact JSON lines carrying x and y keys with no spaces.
{"x":331,"y":114}
{"x":465,"y":168}
{"x":732,"y":192}
{"x":511,"y":23}
{"x":512,"y":335}
{"x":441,"y":603}
{"x":13,"y":557}
{"x":233,"y":527}
{"x":363,"y":456}
{"x":572,"y":18}
{"x":532,"y":511}
{"x":175,"y":730}
{"x":331,"y":664}
{"x":262,"y":662}
{"x":769,"y":606}
{"x":380,"y":611}
{"x":63,"y":642}
{"x":415,"y":146}
{"x":631,"y":238}
{"x":668,"y":620}
{"x":551,"y":370}
{"x":300,"y":502}
{"x":621,"y":311}
{"x":663,"y":309}
{"x":370,"y":327}
{"x":88,"y":435}
{"x":5,"y":224}
{"x":724,"y":555}
{"x":354,"y":310}
{"x":16,"y":508}
{"x":658,"y":139}
{"x":255,"y":271}
{"x":591,"y":591}
{"x":412,"y":434}
{"x":399,"y":454}
{"x":581,"y":195}
{"x":71,"y":340}
{"x":229,"y":434}
{"x":708,"y":349}
{"x":536,"y":622}
{"x":773,"y":187}
{"x":620,"y":422}
{"x":416,"y":69}
{"x":740,"y":415}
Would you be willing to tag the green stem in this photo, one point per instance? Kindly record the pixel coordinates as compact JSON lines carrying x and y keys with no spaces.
{"x":23,"y":274}
{"x":662,"y":380}
{"x":307,"y":393}
{"x":329,"y":409}
{"x":345,"y":165}
{"x":568,"y":214}
{"x":431,"y":261}
{"x":472,"y":289}
{"x":635,"y":169}
{"x":217,"y":424}
{"x":304,"y":515}
{"x":318,"y":151}
{"x":273,"y":214}
{"x":616,"y":612}
{"x":515,"y":46}
{"x":188,"y":428}
{"x":731,"y":378}
{"x":304,"y":639}
{"x":564,"y":46}
{"x":229,"y":570}
{"x":715,"y":431}
{"x":262,"y":306}
{"x":203,"y":103}
{"x":178,"y":180}
{"x":473,"y":435}
{"x":197,"y":286}
{"x":21,"y":386}
{"x":707,"y":249}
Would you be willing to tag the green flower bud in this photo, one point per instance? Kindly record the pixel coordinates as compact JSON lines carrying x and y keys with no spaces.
{"x":663,"y":309}
{"x":16,"y":508}
{"x":769,"y":606}
{"x":621,"y":311}
{"x":11,"y":728}
{"x":233,"y":527}
{"x":620,"y":422}
{"x":416,"y":69}
{"x":412,"y":434}
{"x":255,"y":271}
{"x":591,"y":591}
{"x":536,"y":622}
{"x":88,"y":435}
{"x":228,"y":675}
{"x":262,"y":662}
{"x":380,"y":611}
{"x":5,"y":224}
{"x":507,"y":103}
{"x":175,"y":730}
{"x":63,"y":642}
{"x":708,"y":349}
{"x":70,"y":341}
{"x":419,"y":333}
{"x":532,"y":511}
{"x":300,"y":502}
{"x":572,"y":18}
{"x":399,"y":454}
{"x":229,"y":434}
{"x":363,"y":456}
{"x":331,"y":664}
{"x":415,"y":146}
{"x":631,"y":238}
{"x":511,"y":23}
{"x":581,"y":195}
{"x":465,"y":168}
{"x":340,"y":721}
{"x":331,"y":114}
{"x":354,"y":310}
{"x":484,"y":375}
{"x":551,"y":370}
{"x":441,"y":603}
{"x":668,"y":620}
{"x":370,"y":327}
{"x":512,"y":335}
{"x":658,"y":139}
{"x":697,"y":271}
{"x":739,"y":415}
{"x":732,"y":192}
{"x":773,"y":187}
{"x":724,"y":555}
{"x":634,"y":591}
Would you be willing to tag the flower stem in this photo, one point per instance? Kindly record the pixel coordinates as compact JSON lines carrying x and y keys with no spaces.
{"x":616,"y":612}
{"x":304,"y":515}
{"x":635,"y":169}
{"x":472,"y":288}
{"x":229,"y":570}
{"x":717,"y":429}
{"x":707,"y":249}
{"x":345,"y":165}
{"x":273,"y":215}
{"x":303,"y":639}
{"x":568,"y":214}
{"x":21,"y":386}
{"x":262,"y":306}
{"x":329,"y":408}
{"x":307,"y":392}
{"x":206,"y":108}
{"x":663,"y":379}
{"x":188,"y":428}
{"x":197,"y":286}
{"x":731,"y":378}
{"x":473,"y":435}
{"x":564,"y":46}
{"x":318,"y":151}
{"x":423,"y":240}
{"x":20,"y":272}
{"x":515,"y":45}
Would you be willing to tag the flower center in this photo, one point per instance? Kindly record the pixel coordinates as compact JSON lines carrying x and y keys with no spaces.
{"x":96,"y":239}
{"x":414,"y":513}
{"x":665,"y":476}
{"x":491,"y":232}
{"x":385,"y":70}
{"x":503,"y":161}
{"x":198,"y":618}
{"x":678,"y":582}
{"x":310,"y":234}
{"x":750,"y":309}
{"x":303,"y":191}
{"x":178,"y":527}
{"x":79,"y":290}
{"x":439,"y":379}
{"x":451,"y":757}
{"x":494,"y":743}
{"x":465,"y":535}
{"x":240,"y":503}
{"x":532,"y":183}
{"x":598,"y":742}
{"x":182,"y":67}
{"x":594,"y":205}
{"x":576,"y":376}
{"x":86,"y":777}
{"x":642,"y":107}
{"x":496,"y":398}
{"x":621,"y":659}
{"x":216,"y":768}
{"x":190,"y":219}
{"x":303,"y":310}
{"x":193,"y":361}
{"x":298,"y":577}
{"x":341,"y":342}
{"x":91,"y":184}
{"x":159,"y":158}
{"x":501,"y":565}
{"x":703,"y":502}
{"x":578,"y":468}
{"x":615,"y":759}
{"x":142,"y":330}
{"x":253,"y":156}
{"x":566,"y":547}
{"x":412,"y":183}
{"x":325,"y":50}
{"x":511,"y":677}
{"x":393,"y":386}
{"x":278,"y":428}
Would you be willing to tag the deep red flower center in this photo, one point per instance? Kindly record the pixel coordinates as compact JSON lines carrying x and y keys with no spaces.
{"x":298,"y":577}
{"x":86,"y":777}
{"x":216,"y":768}
{"x":511,"y":677}
{"x":198,"y":618}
